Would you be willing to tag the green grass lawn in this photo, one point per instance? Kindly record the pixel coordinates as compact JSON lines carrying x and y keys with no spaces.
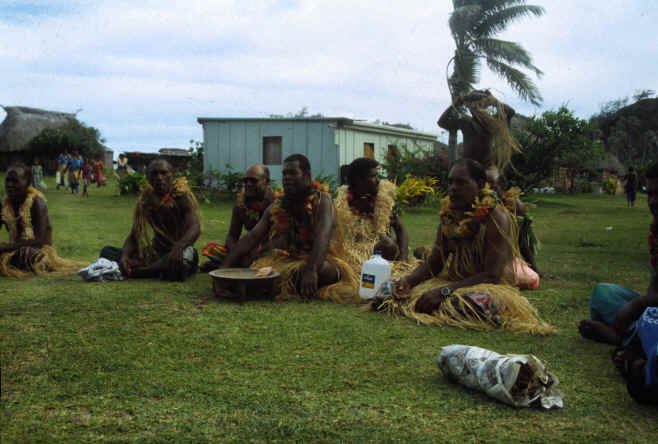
{"x":138,"y":361}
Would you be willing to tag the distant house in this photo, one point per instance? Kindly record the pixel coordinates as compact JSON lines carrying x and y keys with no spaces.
{"x":20,"y":126}
{"x":178,"y":158}
{"x":328,"y":142}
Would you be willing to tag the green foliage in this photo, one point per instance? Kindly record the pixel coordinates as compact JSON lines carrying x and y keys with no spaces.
{"x":328,"y":179}
{"x":132,"y":183}
{"x":73,"y":136}
{"x":555,"y":139}
{"x":404,"y":162}
{"x":610,"y":186}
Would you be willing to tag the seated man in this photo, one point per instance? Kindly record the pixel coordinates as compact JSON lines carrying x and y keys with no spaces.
{"x":467,"y":281}
{"x":365,"y":209}
{"x":614,"y":309}
{"x":25,"y":214}
{"x":300,"y":227}
{"x":250,"y":205}
{"x":170,"y":210}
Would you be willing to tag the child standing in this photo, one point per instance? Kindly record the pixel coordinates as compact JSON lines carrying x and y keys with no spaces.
{"x":37,"y":175}
{"x":86,"y":176}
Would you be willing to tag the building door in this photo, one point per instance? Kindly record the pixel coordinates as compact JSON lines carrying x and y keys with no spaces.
{"x":369,"y":150}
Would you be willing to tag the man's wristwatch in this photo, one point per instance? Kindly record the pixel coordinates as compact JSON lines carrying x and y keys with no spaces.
{"x":445,"y":291}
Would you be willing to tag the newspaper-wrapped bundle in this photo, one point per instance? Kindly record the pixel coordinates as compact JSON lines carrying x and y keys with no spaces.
{"x":517,"y":380}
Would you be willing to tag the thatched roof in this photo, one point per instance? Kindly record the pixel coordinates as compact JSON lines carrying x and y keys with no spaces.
{"x":22,"y":124}
{"x":611,"y":163}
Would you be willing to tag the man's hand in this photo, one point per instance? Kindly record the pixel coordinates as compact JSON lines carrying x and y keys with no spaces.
{"x":401,"y":287}
{"x":309,"y":283}
{"x":126,"y":265}
{"x":175,"y":261}
{"x":429,"y":301}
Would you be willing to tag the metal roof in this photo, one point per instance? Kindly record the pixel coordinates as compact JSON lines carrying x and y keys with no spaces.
{"x":360,"y":125}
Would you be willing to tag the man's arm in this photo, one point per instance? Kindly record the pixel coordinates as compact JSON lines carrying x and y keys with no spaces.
{"x":633,"y":309}
{"x":451,"y":119}
{"x":42,"y":229}
{"x":325,"y":221}
{"x":235,"y":229}
{"x":431,"y":267}
{"x":402,"y":237}
{"x":249,"y":241}
{"x":191,"y":232}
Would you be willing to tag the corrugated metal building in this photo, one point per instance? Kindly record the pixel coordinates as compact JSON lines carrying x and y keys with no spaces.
{"x":328,"y":142}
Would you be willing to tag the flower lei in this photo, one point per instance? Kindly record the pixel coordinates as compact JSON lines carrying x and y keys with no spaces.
{"x":21,"y":223}
{"x":653,"y":242}
{"x":298,"y":233}
{"x":468,"y":225}
{"x":253,"y":210}
{"x":370,"y":212}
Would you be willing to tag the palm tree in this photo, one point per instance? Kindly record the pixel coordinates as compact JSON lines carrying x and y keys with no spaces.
{"x":473,"y":24}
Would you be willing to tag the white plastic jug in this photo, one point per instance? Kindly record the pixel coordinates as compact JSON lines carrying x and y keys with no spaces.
{"x":373,"y":272}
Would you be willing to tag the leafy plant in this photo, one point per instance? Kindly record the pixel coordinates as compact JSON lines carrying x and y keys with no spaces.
{"x":132,"y":183}
{"x":328,"y":179}
{"x":73,"y":136}
{"x":610,"y":186}
{"x":413,"y":191}
{"x":401,"y":163}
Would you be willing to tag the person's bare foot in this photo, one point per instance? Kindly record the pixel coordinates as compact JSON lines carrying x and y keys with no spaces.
{"x":208,"y":266}
{"x":598,"y":331}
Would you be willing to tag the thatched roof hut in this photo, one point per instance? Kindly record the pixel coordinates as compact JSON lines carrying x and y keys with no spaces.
{"x":612,"y":164}
{"x":21,"y":125}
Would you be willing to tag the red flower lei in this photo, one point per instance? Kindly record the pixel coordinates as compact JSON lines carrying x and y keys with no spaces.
{"x":350,"y":201}
{"x":297,"y":232}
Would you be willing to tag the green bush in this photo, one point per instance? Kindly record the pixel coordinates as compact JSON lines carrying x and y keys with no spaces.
{"x":73,"y":136}
{"x":132,"y":183}
{"x":398,"y":164}
{"x":330,"y":180}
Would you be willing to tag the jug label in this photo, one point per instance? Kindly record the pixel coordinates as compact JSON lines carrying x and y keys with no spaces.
{"x":368,"y":280}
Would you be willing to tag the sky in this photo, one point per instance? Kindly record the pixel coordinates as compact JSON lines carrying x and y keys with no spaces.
{"x":142,"y":72}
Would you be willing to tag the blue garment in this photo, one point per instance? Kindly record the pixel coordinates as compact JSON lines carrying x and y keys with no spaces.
{"x":606,"y":300}
{"x":62,"y":159}
{"x":647,"y":330}
{"x":75,"y":164}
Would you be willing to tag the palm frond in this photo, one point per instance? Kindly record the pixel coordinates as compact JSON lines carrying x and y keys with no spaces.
{"x":519,"y":82}
{"x":466,"y":70}
{"x":493,"y":22}
{"x":464,"y":19}
{"x":505,"y":51}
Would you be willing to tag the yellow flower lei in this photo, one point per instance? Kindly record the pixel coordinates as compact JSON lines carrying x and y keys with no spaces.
{"x":24,"y":213}
{"x":465,"y":228}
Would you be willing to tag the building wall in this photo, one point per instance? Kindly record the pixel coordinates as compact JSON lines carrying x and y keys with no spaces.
{"x":239,"y":143}
{"x":352,"y":143}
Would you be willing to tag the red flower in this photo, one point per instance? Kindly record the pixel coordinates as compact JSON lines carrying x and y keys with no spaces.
{"x":481,"y":214}
{"x":315,"y":184}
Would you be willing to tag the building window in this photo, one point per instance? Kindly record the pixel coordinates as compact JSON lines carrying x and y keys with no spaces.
{"x":393,"y":151}
{"x":369,"y":150}
{"x":272,"y":150}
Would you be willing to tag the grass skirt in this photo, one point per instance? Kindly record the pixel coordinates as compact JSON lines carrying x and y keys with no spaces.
{"x":344,"y":291}
{"x":515,"y":312}
{"x":30,"y":260}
